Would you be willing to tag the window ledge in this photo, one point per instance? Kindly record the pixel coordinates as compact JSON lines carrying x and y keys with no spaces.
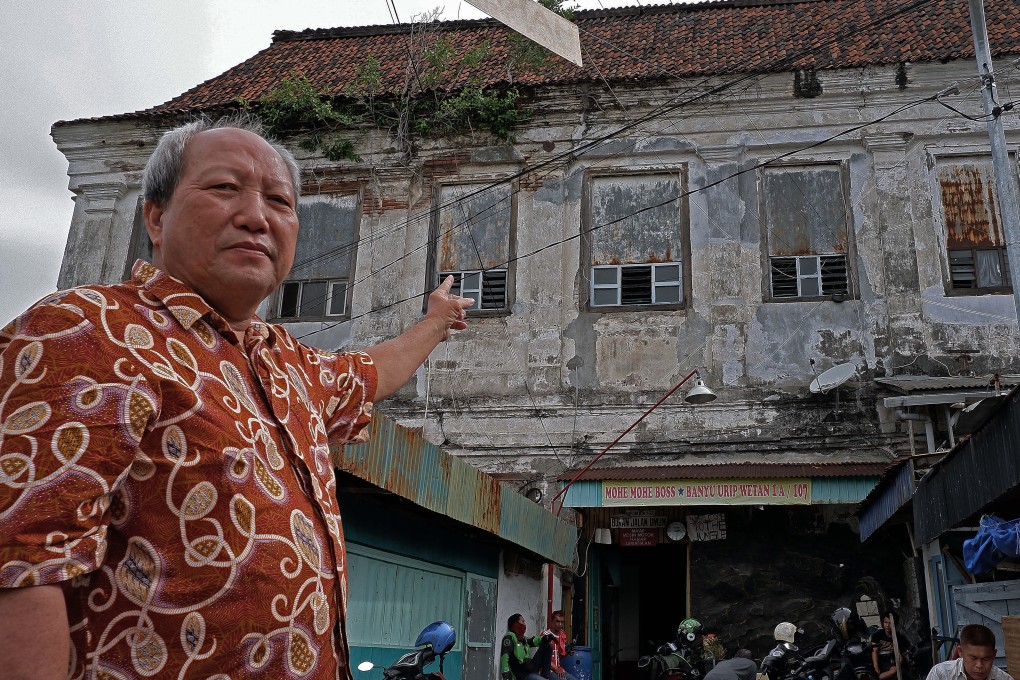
{"x":636,"y":308}
{"x":958,"y":292}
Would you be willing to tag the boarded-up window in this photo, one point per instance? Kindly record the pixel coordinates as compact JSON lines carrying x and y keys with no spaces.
{"x":975,"y":245}
{"x":473,"y":226}
{"x":806,"y":231}
{"x":636,"y":240}
{"x":319,"y":283}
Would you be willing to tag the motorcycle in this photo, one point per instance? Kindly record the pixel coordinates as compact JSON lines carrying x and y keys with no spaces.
{"x":785,"y":661}
{"x":435,"y":641}
{"x":682,"y":659}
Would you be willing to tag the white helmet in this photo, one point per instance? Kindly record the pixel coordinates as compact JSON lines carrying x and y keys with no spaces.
{"x":786,"y":632}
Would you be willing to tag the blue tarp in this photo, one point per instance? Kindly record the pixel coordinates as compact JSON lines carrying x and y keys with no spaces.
{"x":995,"y":540}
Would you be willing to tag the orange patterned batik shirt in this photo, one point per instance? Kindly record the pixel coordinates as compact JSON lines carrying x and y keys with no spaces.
{"x":177,"y":483}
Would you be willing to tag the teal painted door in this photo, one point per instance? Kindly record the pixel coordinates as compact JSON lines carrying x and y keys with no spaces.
{"x":391,"y":598}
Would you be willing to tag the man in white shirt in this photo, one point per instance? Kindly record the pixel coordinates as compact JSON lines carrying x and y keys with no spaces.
{"x":977,"y":658}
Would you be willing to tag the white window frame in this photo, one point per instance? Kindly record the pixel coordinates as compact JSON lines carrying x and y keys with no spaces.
{"x":476,"y":291}
{"x":656,"y":285}
{"x":801,"y":277}
{"x":331,"y":295}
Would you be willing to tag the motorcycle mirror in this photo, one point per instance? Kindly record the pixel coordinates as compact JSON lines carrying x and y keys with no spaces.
{"x":366,"y":666}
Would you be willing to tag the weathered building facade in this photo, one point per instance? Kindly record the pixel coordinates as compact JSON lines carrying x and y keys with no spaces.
{"x":760,"y":190}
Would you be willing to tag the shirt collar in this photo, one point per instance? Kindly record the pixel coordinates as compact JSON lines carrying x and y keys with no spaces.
{"x":183,"y":303}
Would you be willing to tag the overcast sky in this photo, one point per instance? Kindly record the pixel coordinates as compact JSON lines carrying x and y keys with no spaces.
{"x":70,"y":59}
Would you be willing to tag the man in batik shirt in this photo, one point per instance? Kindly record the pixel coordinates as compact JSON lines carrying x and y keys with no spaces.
{"x":167,"y":499}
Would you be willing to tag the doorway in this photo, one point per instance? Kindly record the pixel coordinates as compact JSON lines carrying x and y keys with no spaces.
{"x":644,"y":600}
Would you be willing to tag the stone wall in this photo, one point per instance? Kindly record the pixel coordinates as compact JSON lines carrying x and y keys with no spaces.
{"x":780,"y":564}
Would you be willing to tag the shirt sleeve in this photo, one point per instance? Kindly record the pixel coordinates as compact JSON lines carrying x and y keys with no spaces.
{"x":348,"y":411}
{"x":72,"y":410}
{"x":506,"y":649}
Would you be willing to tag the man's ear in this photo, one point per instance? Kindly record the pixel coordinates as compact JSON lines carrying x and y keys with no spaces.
{"x":152,"y":214}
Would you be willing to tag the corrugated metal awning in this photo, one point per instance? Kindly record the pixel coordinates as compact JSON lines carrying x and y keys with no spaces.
{"x":893,"y":492}
{"x":404,"y":463}
{"x":916,"y":383}
{"x":975,"y":475}
{"x":733,"y":470}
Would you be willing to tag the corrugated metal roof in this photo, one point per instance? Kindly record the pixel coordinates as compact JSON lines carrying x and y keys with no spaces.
{"x":736,"y":470}
{"x":914,"y":383}
{"x":404,"y":463}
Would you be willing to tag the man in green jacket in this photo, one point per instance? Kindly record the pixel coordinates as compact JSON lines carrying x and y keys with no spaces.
{"x":514,"y":663}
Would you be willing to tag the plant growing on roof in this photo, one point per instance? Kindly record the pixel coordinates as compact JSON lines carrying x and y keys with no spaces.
{"x":295,"y":106}
{"x":419,"y":108}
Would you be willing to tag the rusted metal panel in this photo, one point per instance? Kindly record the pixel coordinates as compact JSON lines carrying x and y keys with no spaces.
{"x":805,"y":210}
{"x":474,"y":226}
{"x":633,"y":221}
{"x":969,"y":206}
{"x":404,"y":463}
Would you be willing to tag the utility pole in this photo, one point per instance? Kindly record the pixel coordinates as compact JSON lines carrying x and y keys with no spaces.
{"x":1002,"y":168}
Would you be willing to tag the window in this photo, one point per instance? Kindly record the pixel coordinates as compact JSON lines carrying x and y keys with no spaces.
{"x":318,"y":287}
{"x":302,"y":299}
{"x":975,"y":246}
{"x":472,"y":226}
{"x":806,"y":235}
{"x":488,"y":288}
{"x":808,"y":276}
{"x":636,"y":239}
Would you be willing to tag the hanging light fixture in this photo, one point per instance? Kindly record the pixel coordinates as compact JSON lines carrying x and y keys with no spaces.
{"x":700,"y":394}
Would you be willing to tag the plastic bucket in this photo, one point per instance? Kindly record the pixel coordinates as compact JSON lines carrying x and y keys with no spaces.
{"x":578,"y":663}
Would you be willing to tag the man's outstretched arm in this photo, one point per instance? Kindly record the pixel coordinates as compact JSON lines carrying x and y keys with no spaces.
{"x":397,"y":359}
{"x":34,"y":635}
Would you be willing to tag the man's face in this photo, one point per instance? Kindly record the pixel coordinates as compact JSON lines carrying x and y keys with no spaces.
{"x":557,"y":624}
{"x":887,"y":625}
{"x":977,"y":661}
{"x":230,"y":228}
{"x":519,"y":628}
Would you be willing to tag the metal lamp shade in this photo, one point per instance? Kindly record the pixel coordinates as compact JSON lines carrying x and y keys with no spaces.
{"x":700,"y":394}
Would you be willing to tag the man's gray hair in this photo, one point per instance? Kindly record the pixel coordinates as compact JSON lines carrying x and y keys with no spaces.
{"x":163,"y":170}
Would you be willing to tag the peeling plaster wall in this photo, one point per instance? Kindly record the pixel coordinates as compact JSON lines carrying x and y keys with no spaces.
{"x":537,"y":390}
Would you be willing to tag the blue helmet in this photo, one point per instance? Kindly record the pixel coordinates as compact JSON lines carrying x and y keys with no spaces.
{"x":439,"y":635}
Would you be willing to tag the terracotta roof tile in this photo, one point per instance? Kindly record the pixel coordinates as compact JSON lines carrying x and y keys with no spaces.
{"x":635,"y":44}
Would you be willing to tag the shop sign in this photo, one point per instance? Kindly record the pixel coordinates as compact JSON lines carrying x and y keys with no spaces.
{"x":706,"y":527}
{"x":639,"y":537}
{"x":706,"y":492}
{"x":637,"y":521}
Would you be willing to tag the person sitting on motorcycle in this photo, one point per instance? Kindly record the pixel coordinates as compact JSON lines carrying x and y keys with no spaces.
{"x":786,"y":653}
{"x":882,"y":647}
{"x":514,"y":663}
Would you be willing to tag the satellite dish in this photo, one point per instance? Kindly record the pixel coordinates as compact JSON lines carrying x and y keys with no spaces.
{"x":834,"y":377}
